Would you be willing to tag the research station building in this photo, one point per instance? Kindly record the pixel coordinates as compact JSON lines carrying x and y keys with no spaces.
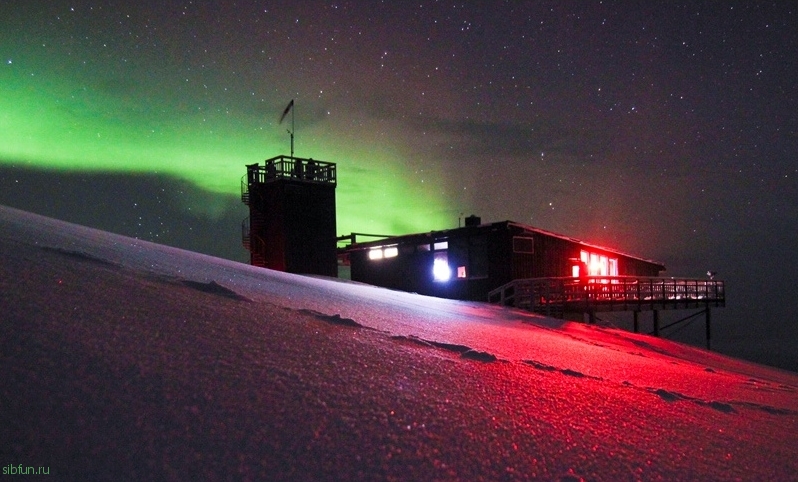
{"x":468,"y":262}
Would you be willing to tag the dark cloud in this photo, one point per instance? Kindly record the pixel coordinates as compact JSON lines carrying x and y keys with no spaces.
{"x":473,"y":138}
{"x":150,"y":207}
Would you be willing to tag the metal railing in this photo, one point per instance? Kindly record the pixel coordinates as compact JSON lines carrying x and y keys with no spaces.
{"x":284,"y":167}
{"x":253,"y":243}
{"x":607,"y":293}
{"x":246,"y":233}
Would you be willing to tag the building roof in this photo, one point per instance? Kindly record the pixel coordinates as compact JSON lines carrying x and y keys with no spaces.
{"x":414,"y":237}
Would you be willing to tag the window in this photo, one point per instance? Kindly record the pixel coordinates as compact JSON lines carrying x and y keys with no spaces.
{"x":597,"y":264}
{"x":523,"y":245}
{"x":383,"y":252}
{"x":593,"y":266}
{"x":440,"y":264}
{"x":604,"y":266}
{"x":461,"y":272}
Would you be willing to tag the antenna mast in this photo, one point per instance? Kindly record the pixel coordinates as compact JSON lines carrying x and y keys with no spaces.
{"x":293,"y":108}
{"x":289,"y":107}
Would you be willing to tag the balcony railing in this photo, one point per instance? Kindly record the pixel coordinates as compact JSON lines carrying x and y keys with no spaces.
{"x":609,"y":293}
{"x":284,"y":167}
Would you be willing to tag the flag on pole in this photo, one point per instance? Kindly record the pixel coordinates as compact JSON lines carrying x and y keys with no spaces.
{"x":287,"y":110}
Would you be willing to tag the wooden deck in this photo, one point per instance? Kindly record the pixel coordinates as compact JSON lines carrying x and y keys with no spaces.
{"x":557,"y":296}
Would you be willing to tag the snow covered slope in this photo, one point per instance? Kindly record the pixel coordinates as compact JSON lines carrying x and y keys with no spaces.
{"x":122,"y":359}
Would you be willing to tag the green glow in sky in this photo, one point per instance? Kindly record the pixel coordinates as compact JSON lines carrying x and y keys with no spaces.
{"x":71,"y":122}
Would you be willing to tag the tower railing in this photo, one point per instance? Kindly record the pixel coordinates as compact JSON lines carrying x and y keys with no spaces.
{"x":286,"y":167}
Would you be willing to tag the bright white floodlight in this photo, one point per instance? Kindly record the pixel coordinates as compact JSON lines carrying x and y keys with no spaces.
{"x":441,"y":270}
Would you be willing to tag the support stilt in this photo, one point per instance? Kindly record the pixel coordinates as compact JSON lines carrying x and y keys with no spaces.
{"x":656,"y":322}
{"x":708,"y":329}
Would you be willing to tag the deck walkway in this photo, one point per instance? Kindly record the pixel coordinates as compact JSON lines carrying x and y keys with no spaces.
{"x":557,"y":296}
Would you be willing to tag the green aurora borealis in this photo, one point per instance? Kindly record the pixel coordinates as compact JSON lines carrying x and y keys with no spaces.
{"x":50,"y":121}
{"x":119,"y":90}
{"x":662,"y":129}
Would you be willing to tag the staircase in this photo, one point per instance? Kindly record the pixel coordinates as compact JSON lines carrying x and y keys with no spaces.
{"x":530,"y":294}
{"x":253,"y":223}
{"x":254,"y":243}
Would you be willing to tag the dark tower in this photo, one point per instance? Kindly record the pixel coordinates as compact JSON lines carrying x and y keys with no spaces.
{"x":291,"y":225}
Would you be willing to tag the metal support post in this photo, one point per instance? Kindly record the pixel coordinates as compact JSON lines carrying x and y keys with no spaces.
{"x":656,"y":322}
{"x":708,"y":329}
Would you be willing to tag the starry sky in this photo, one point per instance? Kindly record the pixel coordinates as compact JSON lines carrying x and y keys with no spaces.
{"x":664,"y":129}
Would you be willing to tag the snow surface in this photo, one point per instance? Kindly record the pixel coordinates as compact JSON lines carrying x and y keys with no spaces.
{"x":126,"y":360}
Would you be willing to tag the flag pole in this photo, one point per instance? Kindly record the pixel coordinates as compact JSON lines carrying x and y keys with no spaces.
{"x":289,"y":107}
{"x":293,"y":108}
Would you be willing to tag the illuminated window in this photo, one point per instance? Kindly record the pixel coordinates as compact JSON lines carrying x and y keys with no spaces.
{"x":575,"y":271}
{"x":461,"y":272}
{"x":597,"y":264}
{"x":440,"y":267}
{"x":594,"y":266}
{"x":441,"y":245}
{"x":381,"y":252}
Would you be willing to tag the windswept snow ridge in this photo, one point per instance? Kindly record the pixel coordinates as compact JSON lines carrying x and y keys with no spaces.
{"x":123,"y":360}
{"x":214,"y":288}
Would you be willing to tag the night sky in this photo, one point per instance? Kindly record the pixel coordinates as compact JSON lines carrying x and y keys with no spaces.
{"x":662,"y":129}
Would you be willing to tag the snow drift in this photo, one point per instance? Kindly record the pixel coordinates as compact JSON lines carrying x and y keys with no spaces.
{"x":122,"y":359}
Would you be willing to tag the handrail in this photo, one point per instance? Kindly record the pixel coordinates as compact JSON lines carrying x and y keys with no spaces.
{"x":246,"y":233}
{"x":608,"y":292}
{"x":245,"y":189}
{"x":352,"y":237}
{"x":294,"y":168}
{"x":252,"y":242}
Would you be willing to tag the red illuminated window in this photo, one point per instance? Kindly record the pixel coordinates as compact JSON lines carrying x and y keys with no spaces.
{"x":597,"y":264}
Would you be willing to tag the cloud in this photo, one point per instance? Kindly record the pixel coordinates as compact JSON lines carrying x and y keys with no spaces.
{"x":474,"y":138}
{"x":155,"y":208}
